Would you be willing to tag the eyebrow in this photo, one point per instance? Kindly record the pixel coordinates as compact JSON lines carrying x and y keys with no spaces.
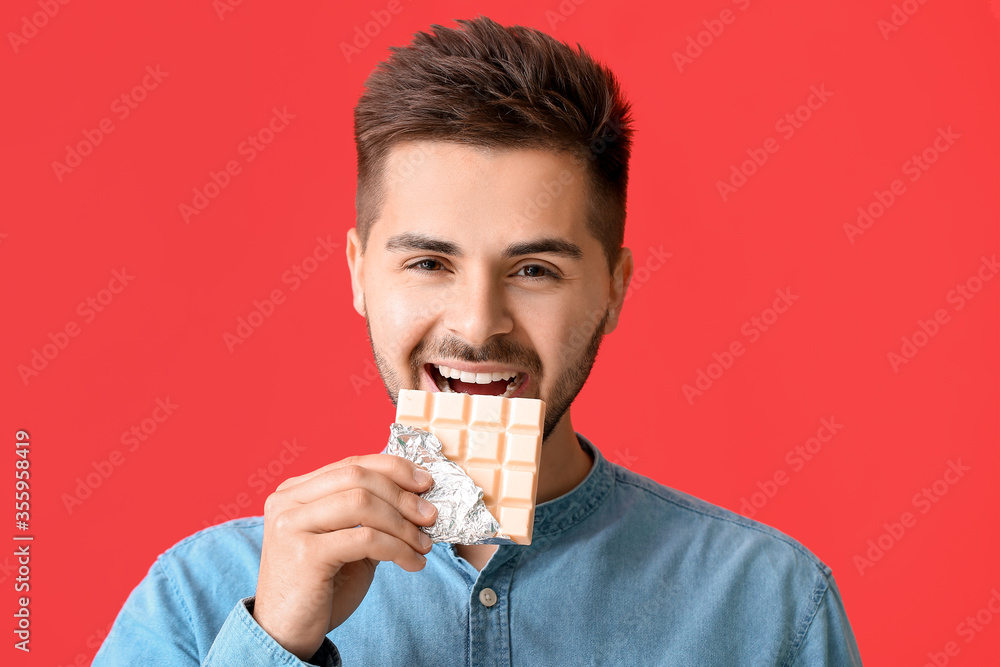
{"x":555,"y":246}
{"x":409,"y":241}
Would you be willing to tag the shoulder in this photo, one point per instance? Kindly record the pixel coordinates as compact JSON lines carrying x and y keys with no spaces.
{"x":192,"y":587}
{"x":242,"y":533}
{"x":745,"y":591}
{"x":703,"y":523}
{"x":764,"y":582}
{"x":228,"y":550}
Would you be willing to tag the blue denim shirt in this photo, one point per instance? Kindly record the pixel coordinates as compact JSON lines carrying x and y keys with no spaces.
{"x":621,"y":571}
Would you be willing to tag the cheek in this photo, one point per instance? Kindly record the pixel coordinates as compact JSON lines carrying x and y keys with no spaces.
{"x":399,"y":322}
{"x":564,"y":334}
{"x":551,"y":331}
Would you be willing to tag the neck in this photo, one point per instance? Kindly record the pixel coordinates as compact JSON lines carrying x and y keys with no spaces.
{"x":564,"y":463}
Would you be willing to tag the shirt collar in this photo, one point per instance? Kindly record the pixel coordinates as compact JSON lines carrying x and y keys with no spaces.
{"x":573,"y":507}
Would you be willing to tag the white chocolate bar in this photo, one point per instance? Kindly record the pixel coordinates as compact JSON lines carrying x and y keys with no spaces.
{"x":497,"y":441}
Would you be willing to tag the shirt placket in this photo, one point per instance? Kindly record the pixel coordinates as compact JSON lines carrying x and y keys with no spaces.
{"x":489,"y":611}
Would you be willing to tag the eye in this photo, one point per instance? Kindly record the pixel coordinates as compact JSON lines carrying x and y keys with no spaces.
{"x":537,"y":271}
{"x":425,"y":265}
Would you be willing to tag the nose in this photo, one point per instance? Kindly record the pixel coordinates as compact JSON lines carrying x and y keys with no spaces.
{"x":477,"y":309}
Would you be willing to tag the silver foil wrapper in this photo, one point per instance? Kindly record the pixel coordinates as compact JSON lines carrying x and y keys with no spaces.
{"x":463,"y":517}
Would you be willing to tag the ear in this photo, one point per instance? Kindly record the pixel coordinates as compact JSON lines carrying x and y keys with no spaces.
{"x":620,"y":280}
{"x":355,"y":262}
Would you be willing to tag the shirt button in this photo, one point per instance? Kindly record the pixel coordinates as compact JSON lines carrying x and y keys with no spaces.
{"x":488,"y":597}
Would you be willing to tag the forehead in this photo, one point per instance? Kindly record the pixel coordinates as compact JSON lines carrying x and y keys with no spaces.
{"x":489,"y":195}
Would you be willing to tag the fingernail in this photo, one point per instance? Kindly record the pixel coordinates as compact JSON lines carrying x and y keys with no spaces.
{"x":425,"y":540}
{"x":421,"y":475}
{"x":425,"y":508}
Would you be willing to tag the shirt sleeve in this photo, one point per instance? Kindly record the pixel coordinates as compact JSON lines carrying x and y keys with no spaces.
{"x":829,"y":639}
{"x":154,"y":627}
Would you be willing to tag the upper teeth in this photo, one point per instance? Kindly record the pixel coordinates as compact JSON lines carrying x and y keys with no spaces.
{"x":478,"y":378}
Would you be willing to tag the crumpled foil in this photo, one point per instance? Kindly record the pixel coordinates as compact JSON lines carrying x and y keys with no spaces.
{"x":463,"y":517}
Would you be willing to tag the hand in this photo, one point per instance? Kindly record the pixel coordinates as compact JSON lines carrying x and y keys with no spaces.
{"x":324,"y":534}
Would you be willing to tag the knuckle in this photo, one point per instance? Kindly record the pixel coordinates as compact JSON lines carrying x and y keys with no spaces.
{"x":353,"y":473}
{"x":396,"y":466}
{"x":366,"y":534}
{"x":272,"y":504}
{"x":406,"y":500}
{"x":360,"y":497}
{"x":283,"y":522}
{"x":404,"y":467}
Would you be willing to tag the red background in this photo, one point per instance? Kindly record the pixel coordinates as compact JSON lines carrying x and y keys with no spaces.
{"x":302,"y":374}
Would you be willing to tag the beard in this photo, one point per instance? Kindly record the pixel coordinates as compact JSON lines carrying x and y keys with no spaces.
{"x":506,"y":351}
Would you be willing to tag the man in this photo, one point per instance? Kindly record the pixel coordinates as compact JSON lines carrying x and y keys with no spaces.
{"x":492,"y":172}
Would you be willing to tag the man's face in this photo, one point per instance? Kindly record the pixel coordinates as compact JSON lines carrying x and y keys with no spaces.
{"x":480,"y":275}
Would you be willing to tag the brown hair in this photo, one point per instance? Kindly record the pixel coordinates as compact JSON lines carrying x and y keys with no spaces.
{"x":498,"y":87}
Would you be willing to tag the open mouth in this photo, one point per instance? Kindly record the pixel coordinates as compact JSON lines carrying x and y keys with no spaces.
{"x":499,"y":383}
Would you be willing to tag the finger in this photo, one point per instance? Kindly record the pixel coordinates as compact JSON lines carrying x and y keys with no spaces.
{"x":331,"y":482}
{"x":400,"y":470}
{"x":366,"y":542}
{"x":351,"y":508}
